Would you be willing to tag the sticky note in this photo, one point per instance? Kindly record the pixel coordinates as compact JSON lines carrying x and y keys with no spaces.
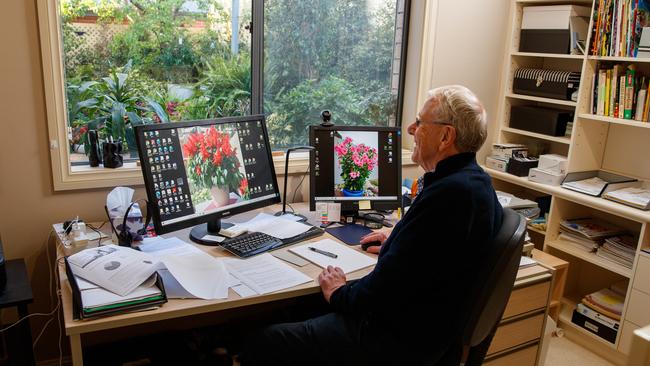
{"x":364,"y":205}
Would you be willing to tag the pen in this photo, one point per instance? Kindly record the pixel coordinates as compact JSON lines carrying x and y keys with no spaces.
{"x":331,"y":255}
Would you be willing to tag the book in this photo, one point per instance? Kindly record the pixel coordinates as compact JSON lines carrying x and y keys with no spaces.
{"x":629,"y":91}
{"x":606,"y":302}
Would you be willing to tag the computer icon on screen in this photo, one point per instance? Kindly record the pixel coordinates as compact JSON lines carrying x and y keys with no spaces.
{"x":198,"y":172}
{"x":360,"y":167}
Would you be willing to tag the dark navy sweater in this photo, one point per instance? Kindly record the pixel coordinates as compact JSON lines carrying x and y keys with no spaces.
{"x":417,"y":296}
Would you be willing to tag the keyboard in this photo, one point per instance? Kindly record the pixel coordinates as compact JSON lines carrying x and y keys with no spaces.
{"x":248,"y":245}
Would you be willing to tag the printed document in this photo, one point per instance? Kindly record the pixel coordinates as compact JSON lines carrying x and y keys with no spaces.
{"x":276,"y":226}
{"x":188,"y":271}
{"x":117,"y":269}
{"x":265,"y":273}
{"x":93,"y":296}
{"x":349,"y":260}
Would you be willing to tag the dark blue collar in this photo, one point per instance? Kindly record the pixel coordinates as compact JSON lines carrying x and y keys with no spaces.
{"x":450,"y":165}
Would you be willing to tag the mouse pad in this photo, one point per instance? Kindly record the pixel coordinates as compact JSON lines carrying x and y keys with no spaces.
{"x":349,"y":234}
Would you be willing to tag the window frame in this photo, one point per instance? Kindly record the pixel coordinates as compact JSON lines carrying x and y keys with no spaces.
{"x":64,"y":177}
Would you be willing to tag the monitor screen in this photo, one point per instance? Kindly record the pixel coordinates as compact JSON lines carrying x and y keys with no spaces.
{"x":199,"y":171}
{"x":352,"y":164}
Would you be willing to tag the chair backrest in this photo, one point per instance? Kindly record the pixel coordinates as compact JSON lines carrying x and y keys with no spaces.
{"x":492,"y":297}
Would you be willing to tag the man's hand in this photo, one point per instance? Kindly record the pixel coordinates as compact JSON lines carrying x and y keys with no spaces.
{"x":330,"y":280}
{"x":376,"y":236}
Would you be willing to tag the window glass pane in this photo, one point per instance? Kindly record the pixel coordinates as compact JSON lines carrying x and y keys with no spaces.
{"x":339,"y":55}
{"x":129,"y":62}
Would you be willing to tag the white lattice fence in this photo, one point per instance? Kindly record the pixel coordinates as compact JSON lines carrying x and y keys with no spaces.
{"x":93,"y":36}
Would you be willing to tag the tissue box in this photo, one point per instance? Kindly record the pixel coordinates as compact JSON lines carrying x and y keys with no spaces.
{"x":496,"y":163}
{"x":543,"y":176}
{"x":553,"y":162}
{"x":133,"y":223}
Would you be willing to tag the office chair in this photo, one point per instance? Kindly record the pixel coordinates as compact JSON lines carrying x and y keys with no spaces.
{"x":491,"y":298}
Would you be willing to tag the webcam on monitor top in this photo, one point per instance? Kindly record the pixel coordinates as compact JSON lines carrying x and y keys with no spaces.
{"x":326,"y":116}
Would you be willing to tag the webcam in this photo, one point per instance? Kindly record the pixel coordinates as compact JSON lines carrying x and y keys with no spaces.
{"x":326,"y":116}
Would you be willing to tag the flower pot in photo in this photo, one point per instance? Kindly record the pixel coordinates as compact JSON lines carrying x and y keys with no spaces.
{"x":220,"y":195}
{"x":350,"y":193}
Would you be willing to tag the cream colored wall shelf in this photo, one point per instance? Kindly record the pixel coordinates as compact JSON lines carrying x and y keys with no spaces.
{"x":561,"y":140}
{"x":590,"y":257}
{"x":596,"y":142}
{"x":618,"y":121}
{"x":548,"y":55}
{"x":542,"y":100}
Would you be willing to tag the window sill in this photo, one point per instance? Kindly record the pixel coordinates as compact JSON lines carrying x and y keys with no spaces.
{"x":85,"y":177}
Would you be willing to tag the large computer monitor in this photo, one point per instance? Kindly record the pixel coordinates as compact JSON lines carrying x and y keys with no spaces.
{"x":351,"y":164}
{"x":198,"y":172}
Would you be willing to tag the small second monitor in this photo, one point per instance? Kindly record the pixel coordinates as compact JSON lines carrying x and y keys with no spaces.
{"x":353,"y":164}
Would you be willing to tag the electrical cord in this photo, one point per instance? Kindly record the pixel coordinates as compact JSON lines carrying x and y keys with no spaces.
{"x":98,"y":231}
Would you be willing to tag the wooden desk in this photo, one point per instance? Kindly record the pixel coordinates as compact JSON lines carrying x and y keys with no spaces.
{"x":176,"y":308}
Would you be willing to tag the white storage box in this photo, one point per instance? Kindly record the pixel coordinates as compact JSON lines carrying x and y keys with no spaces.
{"x":551,"y":17}
{"x":548,"y":177}
{"x":553,"y":162}
{"x":496,"y":163}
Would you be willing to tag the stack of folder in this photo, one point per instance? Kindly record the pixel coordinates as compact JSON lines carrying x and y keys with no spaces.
{"x":600,"y":312}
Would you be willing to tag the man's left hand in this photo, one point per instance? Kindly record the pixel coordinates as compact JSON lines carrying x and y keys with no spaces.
{"x":330,"y":280}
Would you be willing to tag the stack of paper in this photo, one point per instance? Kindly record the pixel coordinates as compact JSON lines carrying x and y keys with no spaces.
{"x":620,"y":249}
{"x":349,"y":260}
{"x":587,"y":233}
{"x":606,"y":302}
{"x":631,"y":196}
{"x":276,"y":226}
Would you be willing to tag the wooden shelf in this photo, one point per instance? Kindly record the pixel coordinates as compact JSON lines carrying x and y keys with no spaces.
{"x":542,"y":100}
{"x":618,"y":121}
{"x":548,"y":55}
{"x":590,"y":257}
{"x":580,"y":198}
{"x":561,"y":140}
{"x":566,"y":312}
{"x":622,"y":59}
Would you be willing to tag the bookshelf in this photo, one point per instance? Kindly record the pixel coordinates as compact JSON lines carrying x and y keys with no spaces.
{"x":596,"y":142}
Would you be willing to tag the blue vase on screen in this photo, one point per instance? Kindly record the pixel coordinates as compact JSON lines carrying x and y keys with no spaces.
{"x":348,"y":193}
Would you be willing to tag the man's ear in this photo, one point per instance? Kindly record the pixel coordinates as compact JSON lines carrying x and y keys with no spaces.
{"x":448,"y":137}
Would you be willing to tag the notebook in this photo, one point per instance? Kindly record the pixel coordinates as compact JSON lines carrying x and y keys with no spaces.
{"x":349,"y":260}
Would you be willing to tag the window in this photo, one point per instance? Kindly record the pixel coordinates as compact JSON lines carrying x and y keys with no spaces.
{"x":118,"y":63}
{"x":338,"y":55}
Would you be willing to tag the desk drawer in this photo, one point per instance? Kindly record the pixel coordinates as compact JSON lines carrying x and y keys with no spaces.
{"x":642,"y":275}
{"x":637,"y":310}
{"x":517,"y":332}
{"x":523,"y":357}
{"x":525,"y":299}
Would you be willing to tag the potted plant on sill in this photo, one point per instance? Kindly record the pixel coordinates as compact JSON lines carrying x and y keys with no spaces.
{"x":356,"y":162}
{"x":212,"y":164}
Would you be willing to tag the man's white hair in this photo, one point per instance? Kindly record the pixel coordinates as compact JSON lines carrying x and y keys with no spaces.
{"x":458,"y":106}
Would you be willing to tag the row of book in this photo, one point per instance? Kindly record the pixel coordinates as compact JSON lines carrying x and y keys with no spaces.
{"x":605,"y":239}
{"x":620,"y":92}
{"x":617,"y":27}
{"x":600,"y":312}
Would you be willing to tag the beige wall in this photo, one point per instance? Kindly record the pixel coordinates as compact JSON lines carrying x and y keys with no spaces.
{"x":29,"y":204}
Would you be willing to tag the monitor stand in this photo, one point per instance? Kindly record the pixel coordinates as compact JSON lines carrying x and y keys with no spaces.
{"x":199,"y":232}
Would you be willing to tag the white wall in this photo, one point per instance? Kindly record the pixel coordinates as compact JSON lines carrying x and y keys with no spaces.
{"x":467,"y":47}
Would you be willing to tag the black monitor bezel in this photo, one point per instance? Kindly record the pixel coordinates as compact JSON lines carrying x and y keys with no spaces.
{"x":148,"y":180}
{"x":353,"y":205}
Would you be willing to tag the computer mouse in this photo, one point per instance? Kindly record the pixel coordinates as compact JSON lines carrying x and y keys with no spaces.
{"x":375,"y":243}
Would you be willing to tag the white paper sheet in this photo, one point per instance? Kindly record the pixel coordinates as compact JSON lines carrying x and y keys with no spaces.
{"x":97,"y":296}
{"x":349,"y":260}
{"x":195,"y":271}
{"x":275,"y":226}
{"x":265,"y":273}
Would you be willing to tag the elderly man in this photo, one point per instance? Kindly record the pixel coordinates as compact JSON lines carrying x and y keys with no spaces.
{"x":411,"y":309}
